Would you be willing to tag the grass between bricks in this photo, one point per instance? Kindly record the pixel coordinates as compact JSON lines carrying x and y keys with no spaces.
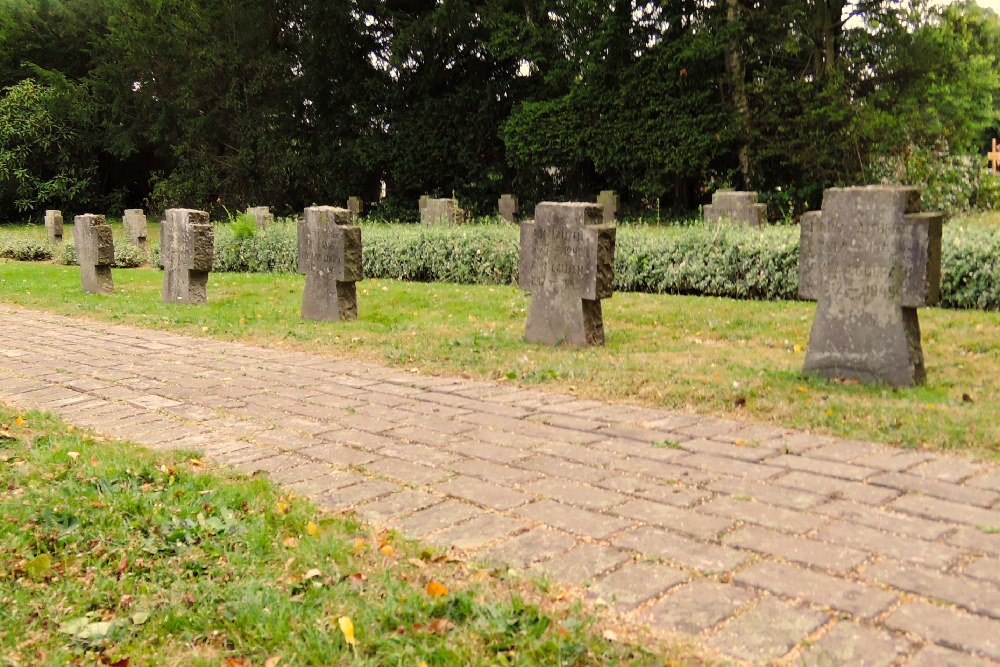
{"x":114,"y":555}
{"x":727,"y":358}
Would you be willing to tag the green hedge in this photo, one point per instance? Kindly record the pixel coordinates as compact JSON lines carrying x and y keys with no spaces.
{"x":25,"y":250}
{"x":127,"y":254}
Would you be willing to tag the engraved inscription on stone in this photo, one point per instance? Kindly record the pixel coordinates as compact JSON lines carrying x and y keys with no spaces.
{"x":330,"y":258}
{"x":608,"y":199}
{"x":135,"y":225}
{"x":508,"y":208}
{"x":441,"y":211}
{"x":870,"y":259}
{"x":187,"y":244}
{"x":737,"y":208}
{"x":567,"y":263}
{"x":54,"y":226}
{"x":95,"y":253}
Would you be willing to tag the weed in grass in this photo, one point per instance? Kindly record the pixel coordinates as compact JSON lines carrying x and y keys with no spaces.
{"x":667,"y":443}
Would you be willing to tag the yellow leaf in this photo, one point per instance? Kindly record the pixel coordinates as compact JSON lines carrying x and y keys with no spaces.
{"x":281,"y":505}
{"x":803,"y":388}
{"x":19,"y":421}
{"x":359,"y":546}
{"x":797,"y":348}
{"x":195,"y":462}
{"x":387,"y":550}
{"x":290,"y":542}
{"x":422,"y":663}
{"x":70,"y":429}
{"x":204,"y":329}
{"x":347,"y":627}
{"x":243,"y":320}
{"x":829,"y":411}
{"x":312,"y":530}
{"x":436,"y":590}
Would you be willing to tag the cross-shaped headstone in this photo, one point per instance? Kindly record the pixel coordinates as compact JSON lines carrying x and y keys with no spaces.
{"x":994,"y":156}
{"x":567,"y":262}
{"x":737,"y":207}
{"x":95,"y":253}
{"x":441,"y":212}
{"x":187,"y":243}
{"x":135,"y":226}
{"x":609,"y":200}
{"x":508,"y":208}
{"x":330,"y":258}
{"x":355,"y":206}
{"x":54,"y":226}
{"x":263,"y":216}
{"x":870,"y":259}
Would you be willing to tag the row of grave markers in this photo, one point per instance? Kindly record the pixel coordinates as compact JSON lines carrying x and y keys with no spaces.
{"x":870,"y":258}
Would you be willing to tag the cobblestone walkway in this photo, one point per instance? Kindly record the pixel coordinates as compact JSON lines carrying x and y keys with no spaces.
{"x":762,"y":542}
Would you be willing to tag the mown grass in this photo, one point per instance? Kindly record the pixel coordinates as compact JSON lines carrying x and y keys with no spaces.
{"x":112,"y":555}
{"x":722,"y":357}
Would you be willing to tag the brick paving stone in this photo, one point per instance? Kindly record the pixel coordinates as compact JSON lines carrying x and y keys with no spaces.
{"x":169,"y":434}
{"x":300,"y":473}
{"x":670,"y":420}
{"x":761,"y":513}
{"x":578,"y":453}
{"x":696,"y":606}
{"x":664,"y":471}
{"x":675,"y":518}
{"x":896,"y":460}
{"x":937,"y":488}
{"x":944,"y":625}
{"x":707,"y":428}
{"x":477,"y":532}
{"x":820,"y":589}
{"x":194,"y":413}
{"x":705,"y":557}
{"x":286,"y":439}
{"x":421,"y":435}
{"x":848,"y":471}
{"x":976,"y":539}
{"x":582,"y":563}
{"x":949,"y":469}
{"x":767,"y":631}
{"x":407,"y":472}
{"x":574,"y":493}
{"x":436,"y":423}
{"x":494,"y":472}
{"x":634,"y":583}
{"x":367,"y":441}
{"x":752,"y":434}
{"x":551,"y":465}
{"x":483,"y":493}
{"x":898,"y":547}
{"x":669,"y":494}
{"x":535,"y":545}
{"x":766,"y":493}
{"x":985,"y":568}
{"x":564,"y":420}
{"x":418,"y":453}
{"x":987,"y":480}
{"x":980,"y":597}
{"x":337,"y":454}
{"x":731,"y":467}
{"x":752,"y":454}
{"x":331,"y":479}
{"x":797,"y":443}
{"x":241,"y":456}
{"x":395,"y":505}
{"x":893,"y":522}
{"x":435,"y":518}
{"x":572,"y":519}
{"x":939,"y":656}
{"x":488,"y":451}
{"x":797,"y":549}
{"x":935,"y":508}
{"x":640,"y":434}
{"x":849,"y":643}
{"x":348,"y":496}
{"x":271,"y":464}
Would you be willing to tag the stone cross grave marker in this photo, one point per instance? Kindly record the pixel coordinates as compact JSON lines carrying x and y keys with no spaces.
{"x":870,"y":259}
{"x":136,"y":228}
{"x":330,"y":258}
{"x":994,"y":157}
{"x":187,"y":242}
{"x":54,"y":226}
{"x":355,"y":206}
{"x":508,"y":208}
{"x":567,"y":263}
{"x":441,"y":212}
{"x":263,"y":216}
{"x":608,"y":199}
{"x":95,"y":253}
{"x":737,"y":207}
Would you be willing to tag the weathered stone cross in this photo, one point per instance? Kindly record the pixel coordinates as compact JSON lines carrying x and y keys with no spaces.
{"x":870,"y":259}
{"x":135,"y":225}
{"x":95,"y":253}
{"x":567,"y":263}
{"x":330,"y":257}
{"x":54,"y":226}
{"x":187,"y":243}
{"x":994,"y":156}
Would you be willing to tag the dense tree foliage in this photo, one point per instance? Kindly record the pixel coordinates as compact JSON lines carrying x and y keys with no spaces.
{"x":212,"y":103}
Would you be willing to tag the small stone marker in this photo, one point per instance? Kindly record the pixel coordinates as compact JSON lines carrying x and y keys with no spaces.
{"x":994,"y":156}
{"x":870,"y":259}
{"x":54,"y":226}
{"x":608,"y":199}
{"x":567,"y":262}
{"x":355,"y":206}
{"x":95,"y":253}
{"x":508,"y":208}
{"x":187,"y":242}
{"x":263,"y":216}
{"x":135,"y":226}
{"x":330,"y":258}
{"x":737,"y":207}
{"x":440,"y":212}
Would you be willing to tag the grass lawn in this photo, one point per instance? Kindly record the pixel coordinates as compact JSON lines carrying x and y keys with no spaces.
{"x":113,"y":555}
{"x":696,"y":354}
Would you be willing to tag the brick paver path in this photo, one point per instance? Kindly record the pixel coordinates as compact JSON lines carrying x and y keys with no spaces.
{"x":763,"y":542}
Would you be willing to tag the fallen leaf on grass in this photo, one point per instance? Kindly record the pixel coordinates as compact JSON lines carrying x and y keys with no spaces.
{"x":238,"y":662}
{"x":359,"y":546}
{"x":84,"y":628}
{"x":436,"y":589}
{"x":967,"y":399}
{"x":347,"y":627}
{"x":312,"y":530}
{"x":387,"y":550}
{"x":311,"y":574}
{"x":272,"y":661}
{"x":73,"y":455}
{"x":140,"y":617}
{"x":290,"y":542}
{"x":19,"y":421}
